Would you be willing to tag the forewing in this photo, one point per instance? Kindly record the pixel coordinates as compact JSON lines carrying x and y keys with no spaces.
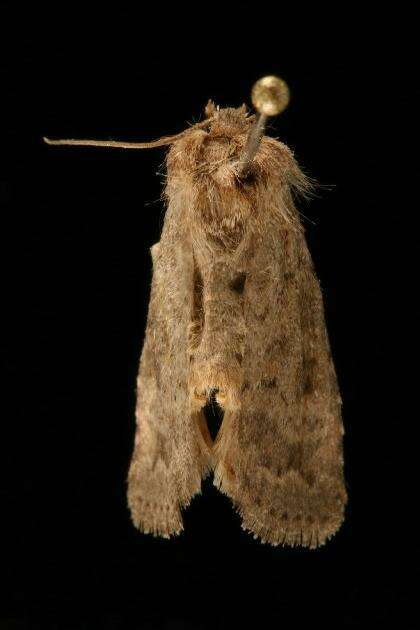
{"x":280,"y":455}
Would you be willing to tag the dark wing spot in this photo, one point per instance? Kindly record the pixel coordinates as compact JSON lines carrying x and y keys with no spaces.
{"x":239,"y":357}
{"x":268,"y":383}
{"x":289,"y":275}
{"x":308,"y":386}
{"x":238,"y":283}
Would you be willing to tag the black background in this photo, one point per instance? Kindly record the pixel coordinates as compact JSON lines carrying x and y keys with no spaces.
{"x":77,"y":227}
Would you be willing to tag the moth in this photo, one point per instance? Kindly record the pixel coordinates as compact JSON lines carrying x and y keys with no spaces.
{"x":236,"y":313}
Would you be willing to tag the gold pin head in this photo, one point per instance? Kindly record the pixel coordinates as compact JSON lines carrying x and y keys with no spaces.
{"x":270,"y":95}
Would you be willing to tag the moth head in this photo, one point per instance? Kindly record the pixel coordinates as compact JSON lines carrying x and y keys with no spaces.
{"x":236,"y":134}
{"x":229,"y":121}
{"x":208,"y":149}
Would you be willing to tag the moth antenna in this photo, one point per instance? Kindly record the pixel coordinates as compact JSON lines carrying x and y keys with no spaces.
{"x":270,"y":96}
{"x":117,"y":144}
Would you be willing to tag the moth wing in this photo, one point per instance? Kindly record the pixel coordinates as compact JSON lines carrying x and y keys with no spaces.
{"x":170,"y":454}
{"x":280,"y":455}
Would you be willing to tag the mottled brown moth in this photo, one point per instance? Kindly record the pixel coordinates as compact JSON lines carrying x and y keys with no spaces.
{"x":236,"y":313}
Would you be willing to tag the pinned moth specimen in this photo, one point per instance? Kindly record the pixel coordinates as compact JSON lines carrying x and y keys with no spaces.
{"x":236,"y":314}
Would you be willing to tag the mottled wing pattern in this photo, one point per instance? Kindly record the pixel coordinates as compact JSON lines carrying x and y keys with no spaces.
{"x":279,"y":456}
{"x":169,"y":455}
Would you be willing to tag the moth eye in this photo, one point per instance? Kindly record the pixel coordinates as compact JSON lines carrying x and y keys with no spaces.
{"x":238,"y":283}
